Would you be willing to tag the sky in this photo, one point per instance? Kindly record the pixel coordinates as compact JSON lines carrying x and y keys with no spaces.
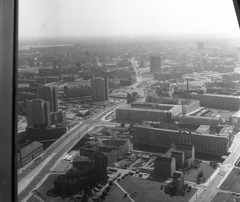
{"x":90,"y":18}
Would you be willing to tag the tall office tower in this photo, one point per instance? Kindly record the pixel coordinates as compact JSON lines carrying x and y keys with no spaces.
{"x":48,"y":93}
{"x":99,"y":88}
{"x":38,"y":113}
{"x":200,"y":46}
{"x":155,"y":63}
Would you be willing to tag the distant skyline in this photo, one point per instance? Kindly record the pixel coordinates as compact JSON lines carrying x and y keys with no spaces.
{"x":130,"y":18}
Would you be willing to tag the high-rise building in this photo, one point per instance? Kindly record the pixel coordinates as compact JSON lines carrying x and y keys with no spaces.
{"x":38,"y":113}
{"x":200,"y":46}
{"x":99,"y":88}
{"x":155,"y":63}
{"x":48,"y":93}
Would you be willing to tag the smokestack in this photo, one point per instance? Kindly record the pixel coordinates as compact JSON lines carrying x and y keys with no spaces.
{"x":187,"y":84}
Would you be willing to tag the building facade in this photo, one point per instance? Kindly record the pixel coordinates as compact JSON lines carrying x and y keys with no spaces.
{"x":38,"y":113}
{"x":217,"y":144}
{"x":138,"y":115}
{"x":90,"y":175}
{"x":178,"y":180}
{"x":217,"y":101}
{"x":100,"y":89}
{"x":164,"y":166}
{"x":48,"y":93}
{"x":155,"y":63}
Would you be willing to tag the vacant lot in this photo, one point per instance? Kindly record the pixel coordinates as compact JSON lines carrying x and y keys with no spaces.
{"x":232,"y":183}
{"x":223,"y":197}
{"x":207,"y":172}
{"x":148,"y":190}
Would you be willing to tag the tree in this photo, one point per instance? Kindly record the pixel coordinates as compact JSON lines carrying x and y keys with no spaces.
{"x":108,"y":188}
{"x":104,"y":193}
{"x":200,"y":174}
{"x":110,"y":183}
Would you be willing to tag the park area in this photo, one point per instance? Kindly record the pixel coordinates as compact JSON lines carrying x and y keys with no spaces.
{"x":232,"y":182}
{"x":192,"y":174}
{"x":144,"y":190}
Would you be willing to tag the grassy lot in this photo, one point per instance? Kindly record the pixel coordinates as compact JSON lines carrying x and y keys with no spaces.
{"x":223,"y":197}
{"x":148,"y":190}
{"x":116,"y":195}
{"x":232,"y":182}
{"x":207,"y":172}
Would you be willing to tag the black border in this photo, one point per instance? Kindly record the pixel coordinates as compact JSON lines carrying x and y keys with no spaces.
{"x":8,"y":104}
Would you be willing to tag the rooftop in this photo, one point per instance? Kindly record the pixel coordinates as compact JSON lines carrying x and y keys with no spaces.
{"x":237,"y":114}
{"x":202,"y":129}
{"x":30,"y":148}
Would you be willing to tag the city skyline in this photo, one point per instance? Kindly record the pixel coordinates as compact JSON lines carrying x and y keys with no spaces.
{"x":81,"y":19}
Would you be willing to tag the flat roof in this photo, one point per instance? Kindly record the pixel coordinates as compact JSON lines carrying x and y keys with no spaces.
{"x":223,"y":135}
{"x":202,"y":129}
{"x":237,"y":114}
{"x":128,"y":107}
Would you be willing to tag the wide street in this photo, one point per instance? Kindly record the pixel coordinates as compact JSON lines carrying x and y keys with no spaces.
{"x":27,"y":183}
{"x":221,"y":174}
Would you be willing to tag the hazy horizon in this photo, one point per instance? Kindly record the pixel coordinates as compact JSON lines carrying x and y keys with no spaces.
{"x":87,"y":19}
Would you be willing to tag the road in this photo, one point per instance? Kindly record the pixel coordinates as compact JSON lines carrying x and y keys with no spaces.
{"x":221,"y":174}
{"x":134,"y":65}
{"x":28,"y":182}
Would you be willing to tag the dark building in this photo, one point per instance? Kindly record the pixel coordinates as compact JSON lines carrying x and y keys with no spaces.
{"x":48,"y":93}
{"x":80,"y":91}
{"x":99,"y":88}
{"x":178,"y":180}
{"x":89,"y":175}
{"x":164,"y":166}
{"x":26,"y":96}
{"x":155,"y":63}
{"x":38,"y":113}
{"x":28,"y":153}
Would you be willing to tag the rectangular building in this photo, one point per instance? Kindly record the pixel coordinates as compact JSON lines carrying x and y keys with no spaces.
{"x":100,"y":88}
{"x":217,"y":101}
{"x":155,"y":63}
{"x":38,"y":113}
{"x":138,"y":115}
{"x":164,"y":166}
{"x":217,"y":144}
{"x":48,"y":93}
